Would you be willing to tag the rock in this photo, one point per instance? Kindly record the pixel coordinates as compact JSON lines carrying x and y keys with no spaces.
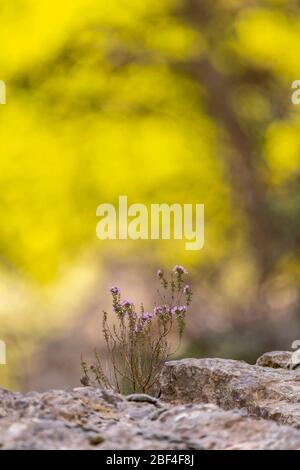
{"x":203,"y":404}
{"x":90,"y":418}
{"x":261,"y":391}
{"x":144,"y":398}
{"x":96,"y":440}
{"x":209,"y":427}
{"x":275,"y":359}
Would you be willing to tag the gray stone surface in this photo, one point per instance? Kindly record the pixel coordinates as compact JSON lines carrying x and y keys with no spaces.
{"x":203,"y":404}
{"x":265,"y":392}
{"x":275,"y":359}
{"x":89,"y":418}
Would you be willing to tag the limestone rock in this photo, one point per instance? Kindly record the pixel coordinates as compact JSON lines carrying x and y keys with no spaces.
{"x":90,"y":418}
{"x":275,"y":359}
{"x":261,"y":391}
{"x":203,"y":404}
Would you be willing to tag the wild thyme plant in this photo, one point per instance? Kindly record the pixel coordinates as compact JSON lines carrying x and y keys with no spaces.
{"x":138,"y":341}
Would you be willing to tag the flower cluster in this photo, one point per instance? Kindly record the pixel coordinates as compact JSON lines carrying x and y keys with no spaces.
{"x":147,"y":316}
{"x":121,"y":307}
{"x":138,"y":346}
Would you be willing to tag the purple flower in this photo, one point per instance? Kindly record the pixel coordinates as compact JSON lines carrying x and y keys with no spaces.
{"x":179,"y":309}
{"x":179,"y":269}
{"x":147,"y":316}
{"x":126,"y":304}
{"x":158,"y":310}
{"x":160,"y":274}
{"x":161,"y":309}
{"x":114,"y":290}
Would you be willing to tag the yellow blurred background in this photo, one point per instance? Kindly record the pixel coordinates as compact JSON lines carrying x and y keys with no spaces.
{"x":164,"y":101}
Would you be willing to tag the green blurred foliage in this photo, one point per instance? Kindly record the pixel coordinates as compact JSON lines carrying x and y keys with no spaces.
{"x":165,"y":101}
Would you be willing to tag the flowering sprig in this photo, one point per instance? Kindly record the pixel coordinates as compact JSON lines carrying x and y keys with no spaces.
{"x":188,"y":293}
{"x":139,"y":345}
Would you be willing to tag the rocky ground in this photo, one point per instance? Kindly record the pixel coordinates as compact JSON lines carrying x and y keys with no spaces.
{"x":203,"y":404}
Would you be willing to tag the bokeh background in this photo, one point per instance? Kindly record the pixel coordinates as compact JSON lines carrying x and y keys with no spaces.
{"x":165,"y":101}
